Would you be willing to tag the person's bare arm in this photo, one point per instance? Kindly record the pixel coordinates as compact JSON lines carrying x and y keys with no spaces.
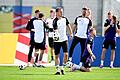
{"x":106,"y":27}
{"x":90,"y":51}
{"x":71,"y":33}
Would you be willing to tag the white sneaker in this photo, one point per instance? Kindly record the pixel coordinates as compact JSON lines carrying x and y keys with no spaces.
{"x":73,"y":68}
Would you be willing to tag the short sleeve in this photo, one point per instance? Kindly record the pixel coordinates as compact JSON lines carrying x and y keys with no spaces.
{"x":107,"y":22}
{"x":55,"y":23}
{"x":75,"y":21}
{"x":89,"y":41}
{"x":67,"y":22}
{"x":90,"y":23}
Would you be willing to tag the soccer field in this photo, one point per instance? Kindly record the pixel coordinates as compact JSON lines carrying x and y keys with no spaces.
{"x":31,"y":73}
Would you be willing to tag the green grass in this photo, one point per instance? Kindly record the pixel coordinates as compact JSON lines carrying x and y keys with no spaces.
{"x":31,"y":73}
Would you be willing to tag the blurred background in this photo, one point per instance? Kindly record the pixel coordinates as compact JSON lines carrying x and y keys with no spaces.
{"x":14,"y":14}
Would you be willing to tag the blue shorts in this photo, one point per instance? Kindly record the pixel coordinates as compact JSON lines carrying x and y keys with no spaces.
{"x":108,"y":42}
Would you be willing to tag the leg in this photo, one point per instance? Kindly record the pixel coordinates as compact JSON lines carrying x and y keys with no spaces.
{"x":83,"y":69}
{"x":102,"y":57}
{"x":103,"y":54}
{"x":65,"y":50}
{"x":104,"y":48}
{"x":36,"y":57}
{"x":65,"y":57}
{"x":112,"y":58}
{"x":41,"y":56}
{"x":82,"y":43}
{"x":113,"y":46}
{"x":40,"y":59}
{"x":74,"y":43}
{"x":52,"y":54}
{"x":30,"y":53}
{"x":57,"y":61}
{"x":86,"y":64}
{"x":51,"y":44}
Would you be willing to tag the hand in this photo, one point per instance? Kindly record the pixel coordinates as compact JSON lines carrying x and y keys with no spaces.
{"x":71,"y":36}
{"x":93,"y":56}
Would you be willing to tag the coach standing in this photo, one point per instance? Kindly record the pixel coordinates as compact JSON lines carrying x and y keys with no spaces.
{"x":111,"y":29}
{"x":32,"y":42}
{"x":82,"y":25}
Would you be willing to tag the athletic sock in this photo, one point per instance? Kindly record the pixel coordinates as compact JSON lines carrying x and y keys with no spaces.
{"x":70,"y":59}
{"x":80,"y":64}
{"x":77,"y":66}
{"x":62,"y":67}
{"x":57,"y":68}
{"x":28,"y":64}
{"x":52,"y":58}
{"x":102,"y":62}
{"x":36,"y":58}
{"x":111,"y":63}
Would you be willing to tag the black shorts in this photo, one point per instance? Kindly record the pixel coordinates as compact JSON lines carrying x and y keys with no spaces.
{"x":40,"y":46}
{"x":87,"y":61}
{"x":51,"y":43}
{"x":58,"y":45}
{"x":107,"y":43}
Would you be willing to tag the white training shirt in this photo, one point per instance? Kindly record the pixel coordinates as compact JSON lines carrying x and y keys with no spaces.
{"x":83,"y":24}
{"x":49,"y":22}
{"x":61,"y":27}
{"x":39,"y":31}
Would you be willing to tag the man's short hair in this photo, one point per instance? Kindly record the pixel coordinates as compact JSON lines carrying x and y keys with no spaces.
{"x":91,"y":29}
{"x":58,"y":9}
{"x":114,"y":18}
{"x":52,"y":10}
{"x":36,"y":11}
{"x":109,"y":13}
{"x":84,"y":8}
{"x":41,"y":15}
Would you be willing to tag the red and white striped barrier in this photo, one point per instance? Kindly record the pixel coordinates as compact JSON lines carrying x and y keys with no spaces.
{"x":22,"y":49}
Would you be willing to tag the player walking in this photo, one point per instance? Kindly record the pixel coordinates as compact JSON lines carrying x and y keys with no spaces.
{"x":60,"y":23}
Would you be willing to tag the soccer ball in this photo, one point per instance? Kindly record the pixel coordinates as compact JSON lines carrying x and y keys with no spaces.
{"x":56,"y":36}
{"x":68,"y":64}
{"x":22,"y":67}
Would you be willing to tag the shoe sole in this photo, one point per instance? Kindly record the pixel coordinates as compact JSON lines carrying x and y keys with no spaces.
{"x":57,"y":73}
{"x":62,"y":71}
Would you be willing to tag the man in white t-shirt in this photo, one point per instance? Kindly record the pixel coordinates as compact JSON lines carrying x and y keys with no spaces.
{"x":49,"y":22}
{"x":82,"y":25}
{"x":60,"y":23}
